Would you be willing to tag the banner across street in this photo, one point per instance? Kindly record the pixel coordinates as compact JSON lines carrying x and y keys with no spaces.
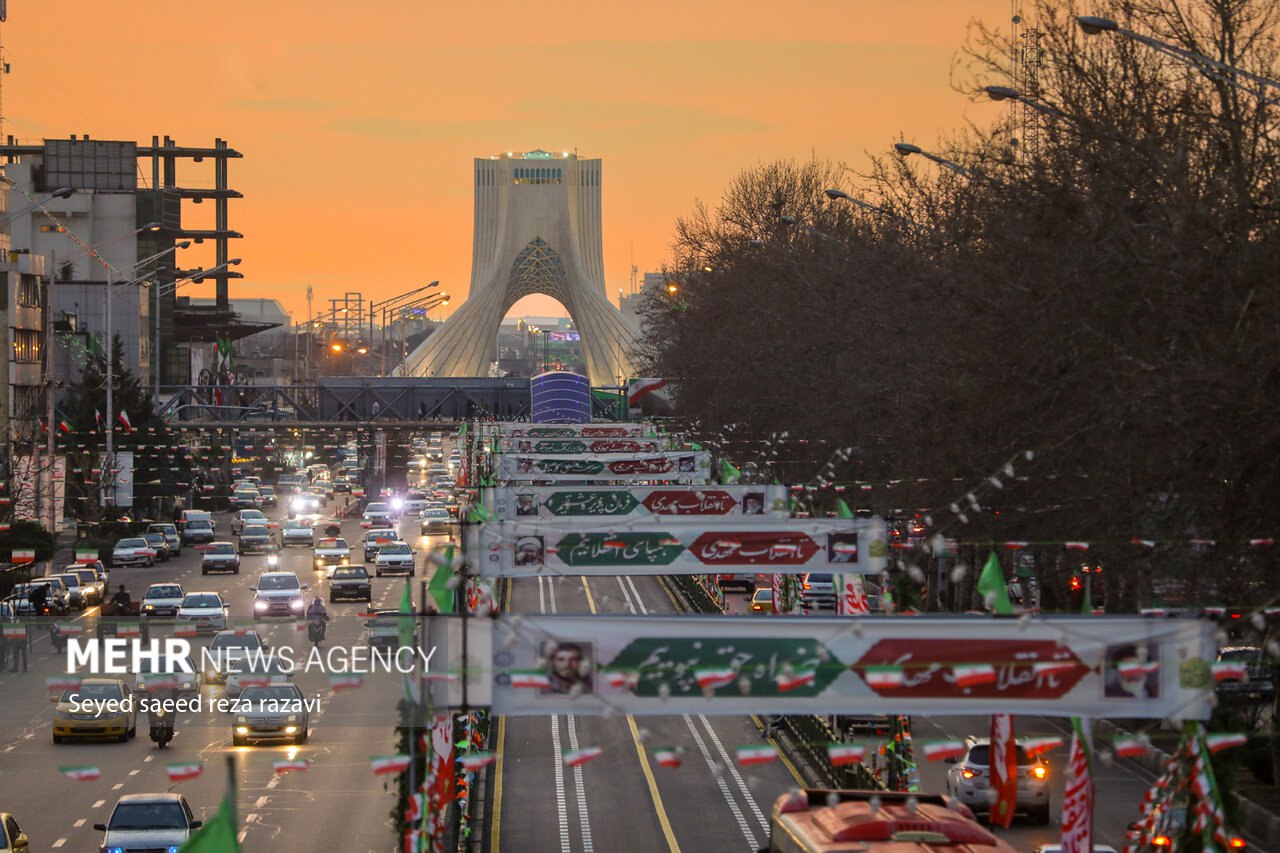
{"x":1069,"y":666}
{"x":752,"y":504}
{"x":686,"y":465}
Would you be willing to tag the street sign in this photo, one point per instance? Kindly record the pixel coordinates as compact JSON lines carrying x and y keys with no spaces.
{"x":696,"y":545}
{"x":668,"y":465}
{"x":1055,"y":666}
{"x":744,"y":504}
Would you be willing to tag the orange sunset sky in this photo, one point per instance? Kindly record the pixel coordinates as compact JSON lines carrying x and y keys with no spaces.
{"x":359,"y":121}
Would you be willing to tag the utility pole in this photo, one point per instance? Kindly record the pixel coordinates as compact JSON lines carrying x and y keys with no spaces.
{"x":51,"y":393}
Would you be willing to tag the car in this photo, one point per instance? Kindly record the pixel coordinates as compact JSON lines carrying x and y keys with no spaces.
{"x":277,"y":594}
{"x":378,"y":514}
{"x":1168,"y":824}
{"x":171,"y":536}
{"x":297,"y":531}
{"x":198,"y":531}
{"x":330,"y":552}
{"x":969,"y":780}
{"x":342,"y":485}
{"x":226,"y":648}
{"x":197,"y":515}
{"x":1057,"y":848}
{"x":248,"y":517}
{"x":203,"y":611}
{"x":134,"y":551}
{"x":1257,"y":680}
{"x":220,"y":557}
{"x":184,"y":679}
{"x":817,"y":591}
{"x":161,"y":601}
{"x":324,"y":489}
{"x":375,"y":538}
{"x":93,"y":588}
{"x":159,"y":544}
{"x":19,"y":600}
{"x":382,"y":629}
{"x":258,"y":671}
{"x":75,"y":594}
{"x":762,"y":600}
{"x":744,"y":582}
{"x":255,"y":539}
{"x":12,"y":838}
{"x":304,"y":503}
{"x":97,"y":708}
{"x":269,"y":497}
{"x":350,"y":582}
{"x":242,"y":499}
{"x":275,"y":712}
{"x":394,"y":559}
{"x":435,"y":520}
{"x":147,"y":822}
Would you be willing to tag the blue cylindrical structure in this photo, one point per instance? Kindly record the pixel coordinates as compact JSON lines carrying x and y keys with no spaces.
{"x":559,"y":397}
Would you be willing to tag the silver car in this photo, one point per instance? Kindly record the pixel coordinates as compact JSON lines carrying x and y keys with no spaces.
{"x":148,"y":822}
{"x":205,"y":611}
{"x":297,"y":532}
{"x":277,"y":712}
{"x":76,"y":598}
{"x":227,"y":648}
{"x":161,"y":601}
{"x":969,"y":781}
{"x":133,"y":552}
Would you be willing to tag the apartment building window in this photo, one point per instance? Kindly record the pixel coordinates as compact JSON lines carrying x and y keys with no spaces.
{"x":26,"y":346}
{"x":28,"y":291}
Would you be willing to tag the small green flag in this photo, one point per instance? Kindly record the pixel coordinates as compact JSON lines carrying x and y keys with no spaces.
{"x":439,"y":583}
{"x":477,"y":513}
{"x":218,"y":835}
{"x":406,"y":621}
{"x":991,"y":586}
{"x":729,"y":474}
{"x":842,"y":509}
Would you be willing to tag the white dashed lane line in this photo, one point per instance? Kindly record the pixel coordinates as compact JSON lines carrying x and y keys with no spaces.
{"x":99,"y":804}
{"x":59,"y":842}
{"x":78,"y":823}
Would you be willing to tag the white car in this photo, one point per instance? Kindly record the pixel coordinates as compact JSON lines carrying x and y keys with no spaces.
{"x":256,"y":672}
{"x":331,"y":552}
{"x":378,"y":513}
{"x":394,"y":559}
{"x":148,"y":822}
{"x":304,"y":503}
{"x":133,"y":552}
{"x":297,"y":532}
{"x":226,"y":648}
{"x":435,"y":520}
{"x":187,"y":678}
{"x":278,"y":594}
{"x":161,"y":601}
{"x":375,"y":538}
{"x":204,"y":610}
{"x":248,"y":518}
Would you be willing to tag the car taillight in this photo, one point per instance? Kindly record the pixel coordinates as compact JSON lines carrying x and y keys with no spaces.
{"x":967,"y":773}
{"x":1039,"y":771}
{"x":806,"y":584}
{"x":1161,"y":841}
{"x":1237,"y":843}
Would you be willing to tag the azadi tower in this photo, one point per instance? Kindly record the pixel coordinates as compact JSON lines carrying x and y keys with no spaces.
{"x":537,"y":230}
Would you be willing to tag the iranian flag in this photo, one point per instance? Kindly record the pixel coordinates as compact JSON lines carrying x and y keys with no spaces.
{"x":1133,"y":670}
{"x":1017,"y":546}
{"x":1045,"y":669}
{"x":61,"y":682}
{"x":972,"y":675}
{"x":125,"y":422}
{"x":23,"y":555}
{"x":578,"y":757}
{"x":15,"y":632}
{"x":1077,"y":799}
{"x":622,"y":679}
{"x":1128,"y":747}
{"x":1039,"y":745}
{"x":184,"y":772}
{"x":475,"y":760}
{"x":288,"y":766}
{"x":1219,"y":742}
{"x":713,"y":678}
{"x":843,"y":754}
{"x":883,"y":676}
{"x":128,"y":629}
{"x":86,"y":555}
{"x":1230,"y":672}
{"x":668,"y":756}
{"x":345,"y":682}
{"x":756,"y":754}
{"x":255,"y":681}
{"x":791,"y":680}
{"x":1004,"y":770}
{"x":70,"y":629}
{"x":940,"y":750}
{"x":1076,"y":546}
{"x":530,"y":678}
{"x":387,"y":764}
{"x":84,"y":773}
{"x":185,"y":629}
{"x":638,"y":388}
{"x":160,"y":682}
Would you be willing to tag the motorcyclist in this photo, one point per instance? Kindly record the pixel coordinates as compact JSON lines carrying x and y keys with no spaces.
{"x":160,"y":717}
{"x":317,"y":616}
{"x":121,"y":602}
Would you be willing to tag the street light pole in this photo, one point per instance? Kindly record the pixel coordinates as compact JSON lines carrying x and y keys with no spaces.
{"x":906,"y":148}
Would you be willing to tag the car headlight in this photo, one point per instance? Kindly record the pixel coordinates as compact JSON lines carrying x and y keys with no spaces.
{"x":346,"y":561}
{"x":260,"y":605}
{"x":319,"y":561}
{"x":296,"y":604}
{"x":290,"y":730}
{"x":113,"y":850}
{"x":242,"y":730}
{"x":148,"y":607}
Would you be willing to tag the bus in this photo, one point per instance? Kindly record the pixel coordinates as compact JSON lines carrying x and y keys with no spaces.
{"x":817,"y":820}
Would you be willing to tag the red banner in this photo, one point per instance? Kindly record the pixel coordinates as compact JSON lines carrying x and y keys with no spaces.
{"x":1077,"y":799}
{"x":1004,"y":770}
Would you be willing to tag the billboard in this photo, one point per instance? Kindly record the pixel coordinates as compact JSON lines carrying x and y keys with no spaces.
{"x":1118,"y":667}
{"x":630,"y":467}
{"x":676,"y":546}
{"x":533,"y":445}
{"x":637,"y":502}
{"x":520,"y":429}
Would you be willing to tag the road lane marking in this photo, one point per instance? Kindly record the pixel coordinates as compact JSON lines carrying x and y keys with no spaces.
{"x":498,"y":743}
{"x":134,"y":772}
{"x":732,"y":767}
{"x":149,"y":758}
{"x":78,"y":823}
{"x":242,"y":834}
{"x":667,"y":832}
{"x":729,"y":799}
{"x":59,"y":842}
{"x":117,"y":786}
{"x":557,"y":759}
{"x":98,"y":804}
{"x":583,"y":817}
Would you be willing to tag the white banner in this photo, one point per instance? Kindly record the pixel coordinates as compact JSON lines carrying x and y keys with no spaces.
{"x":682,"y":465}
{"x":637,"y":502}
{"x":515,"y":429}
{"x":1056,"y":666}
{"x":678,"y":546}
{"x":579,"y":446}
{"x":851,"y":596}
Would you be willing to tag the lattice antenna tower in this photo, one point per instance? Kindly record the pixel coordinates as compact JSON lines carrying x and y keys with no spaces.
{"x":1015,"y":68}
{"x":1027,"y":55}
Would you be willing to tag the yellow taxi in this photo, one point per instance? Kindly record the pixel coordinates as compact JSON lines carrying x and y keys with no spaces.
{"x":762,"y":600}
{"x":98,"y":708}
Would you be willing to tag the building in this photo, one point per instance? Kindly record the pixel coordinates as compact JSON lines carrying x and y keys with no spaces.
{"x":537,"y":230}
{"x":631,"y":304}
{"x":268,"y":356}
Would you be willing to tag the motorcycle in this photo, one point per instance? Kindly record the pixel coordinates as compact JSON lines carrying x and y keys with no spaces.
{"x":162,"y":732}
{"x":315,"y":631}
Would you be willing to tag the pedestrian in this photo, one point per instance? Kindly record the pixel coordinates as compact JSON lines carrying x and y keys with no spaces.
{"x":772,"y":726}
{"x":18,"y":647}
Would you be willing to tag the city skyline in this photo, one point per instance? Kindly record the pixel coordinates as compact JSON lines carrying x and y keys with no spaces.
{"x":359,"y":135}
